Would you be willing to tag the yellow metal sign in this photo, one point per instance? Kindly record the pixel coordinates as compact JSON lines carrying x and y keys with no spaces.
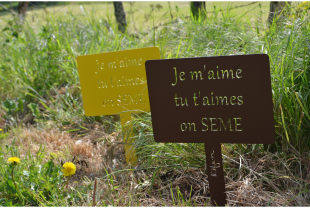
{"x":115,"y":82}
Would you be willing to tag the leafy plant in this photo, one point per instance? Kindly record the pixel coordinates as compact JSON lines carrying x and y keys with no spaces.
{"x":34,"y":109}
{"x":34,"y":183}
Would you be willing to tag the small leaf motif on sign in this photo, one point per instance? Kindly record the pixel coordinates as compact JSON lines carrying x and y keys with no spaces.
{"x":214,"y":165}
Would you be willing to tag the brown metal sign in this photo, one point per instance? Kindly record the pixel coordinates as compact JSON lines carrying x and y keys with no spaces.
{"x":227,"y":99}
{"x":212,"y":100}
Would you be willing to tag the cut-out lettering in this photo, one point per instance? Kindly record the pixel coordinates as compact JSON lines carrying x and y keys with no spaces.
{"x":140,"y":61}
{"x":227,"y":74}
{"x":176,"y":76}
{"x":124,"y":100}
{"x":195,"y":98}
{"x":123,"y":82}
{"x":99,"y":66}
{"x":183,"y":126}
{"x":102,"y":84}
{"x":214,"y":165}
{"x":189,"y":126}
{"x":219,"y":100}
{"x":112,"y":65}
{"x":121,"y":64}
{"x":197,"y":74}
{"x":176,"y":98}
{"x":108,"y":103}
{"x":218,"y":76}
{"x":222,"y":124}
{"x":238,"y":72}
{"x":232,"y":98}
{"x":213,"y":124}
{"x":240,"y":101}
{"x":181,"y":76}
{"x":204,"y":124}
{"x":206,"y":101}
{"x":222,"y":98}
{"x":211,"y":75}
{"x":237,"y":124}
{"x":218,"y":124}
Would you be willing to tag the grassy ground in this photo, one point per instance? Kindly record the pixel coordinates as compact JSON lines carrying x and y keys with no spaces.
{"x":139,"y":14}
{"x":42,"y":119}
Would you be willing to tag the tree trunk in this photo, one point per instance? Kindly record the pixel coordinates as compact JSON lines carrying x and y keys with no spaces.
{"x":198,"y":8}
{"x":276,"y":8}
{"x":22,"y":8}
{"x":120,"y":16}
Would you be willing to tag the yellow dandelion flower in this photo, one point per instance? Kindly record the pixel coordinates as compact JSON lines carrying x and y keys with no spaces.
{"x":69,"y":169}
{"x":14,"y":160}
{"x":1,"y":129}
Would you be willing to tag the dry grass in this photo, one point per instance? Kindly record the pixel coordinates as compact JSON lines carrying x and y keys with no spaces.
{"x":88,"y":152}
{"x":263,"y":179}
{"x":251,"y":188}
{"x":245,"y":193}
{"x":251,"y":180}
{"x":192,"y":184}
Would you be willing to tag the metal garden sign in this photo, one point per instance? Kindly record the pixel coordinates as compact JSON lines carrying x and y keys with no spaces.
{"x":212,"y":100}
{"x":115,"y":83}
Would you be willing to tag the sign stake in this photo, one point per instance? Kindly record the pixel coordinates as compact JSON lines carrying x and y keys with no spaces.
{"x":215,"y":173}
{"x":130,"y":152}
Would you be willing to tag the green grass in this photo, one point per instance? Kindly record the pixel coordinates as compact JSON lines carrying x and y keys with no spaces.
{"x":139,"y":14}
{"x":40,"y":87}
